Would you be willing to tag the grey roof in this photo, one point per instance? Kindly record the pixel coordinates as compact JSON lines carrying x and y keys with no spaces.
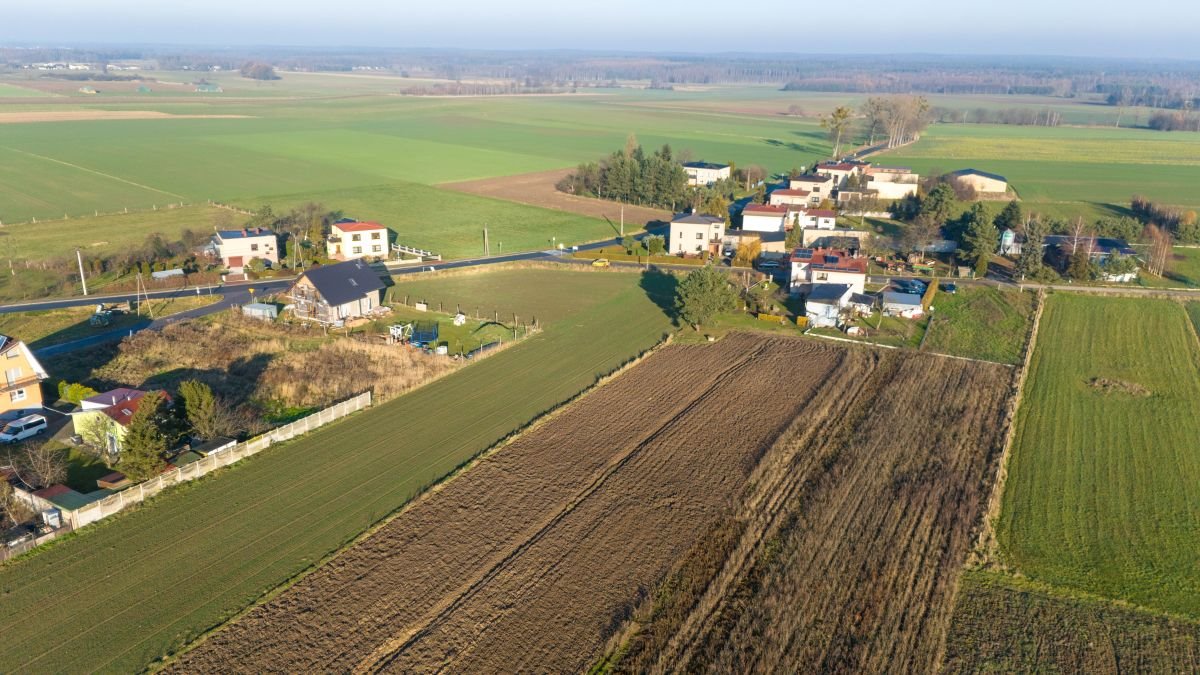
{"x":242,"y":234}
{"x":906,"y":299}
{"x":343,"y":282}
{"x":705,"y":165}
{"x":827,"y":293}
{"x":862,"y":299}
{"x":1101,"y":245}
{"x":697,"y":219}
{"x":977,"y":172}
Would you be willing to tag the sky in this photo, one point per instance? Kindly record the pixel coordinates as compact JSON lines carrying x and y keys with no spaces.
{"x":1148,"y":28}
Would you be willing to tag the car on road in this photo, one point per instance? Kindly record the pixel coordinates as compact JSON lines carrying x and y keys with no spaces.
{"x":949,"y":288}
{"x":20,"y":429}
{"x":600,"y":262}
{"x":766,"y":265}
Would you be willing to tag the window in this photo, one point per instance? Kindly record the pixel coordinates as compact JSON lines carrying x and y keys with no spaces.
{"x":12,"y":354}
{"x":374,"y":235}
{"x":253,"y":247}
{"x":700,"y":235}
{"x":18,"y":395}
{"x":12,"y":374}
{"x":376,"y":248}
{"x":356,"y":237}
{"x":356,"y":250}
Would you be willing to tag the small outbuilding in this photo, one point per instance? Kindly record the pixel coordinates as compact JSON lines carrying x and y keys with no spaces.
{"x":982,"y":182}
{"x":261,"y":310}
{"x":906,"y":305}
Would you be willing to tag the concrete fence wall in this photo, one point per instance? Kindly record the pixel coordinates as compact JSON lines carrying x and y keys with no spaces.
{"x":220,"y":458}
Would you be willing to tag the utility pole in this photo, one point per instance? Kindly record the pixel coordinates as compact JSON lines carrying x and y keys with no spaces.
{"x":82,"y":279}
{"x":486,"y":248}
{"x":622,"y":220}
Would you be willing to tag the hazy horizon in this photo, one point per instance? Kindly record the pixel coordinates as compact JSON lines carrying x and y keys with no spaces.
{"x":940,"y":27}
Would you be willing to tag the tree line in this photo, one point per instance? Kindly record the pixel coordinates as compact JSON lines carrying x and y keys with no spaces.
{"x":632,"y":176}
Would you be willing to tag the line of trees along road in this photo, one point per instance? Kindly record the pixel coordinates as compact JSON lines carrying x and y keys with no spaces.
{"x":633,"y":177}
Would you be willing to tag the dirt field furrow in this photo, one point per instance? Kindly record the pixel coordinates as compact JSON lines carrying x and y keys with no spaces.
{"x":411,"y":570}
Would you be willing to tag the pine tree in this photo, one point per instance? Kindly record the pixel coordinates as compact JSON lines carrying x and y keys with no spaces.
{"x":144,"y":443}
{"x":1029,"y":263}
{"x":702,"y":294}
{"x":200,"y":405}
{"x":1010,"y":217}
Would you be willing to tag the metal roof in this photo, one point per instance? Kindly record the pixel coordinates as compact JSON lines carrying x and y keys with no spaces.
{"x":343,"y":282}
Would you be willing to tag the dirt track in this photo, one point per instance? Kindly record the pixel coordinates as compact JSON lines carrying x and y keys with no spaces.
{"x":538,"y":189}
{"x":535,"y":557}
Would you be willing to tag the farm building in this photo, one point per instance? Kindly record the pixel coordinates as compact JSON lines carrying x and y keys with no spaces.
{"x":260,"y":310}
{"x":350,"y":239}
{"x":705,"y":173}
{"x":907,"y":305}
{"x":891,"y":182}
{"x":1103,"y":251}
{"x":823,"y":303}
{"x":23,"y":377}
{"x":1011,"y":242}
{"x":827,"y":266}
{"x":982,"y":182}
{"x":331,"y":294}
{"x":236,"y":248}
{"x":763,"y":218}
{"x":695,"y":233}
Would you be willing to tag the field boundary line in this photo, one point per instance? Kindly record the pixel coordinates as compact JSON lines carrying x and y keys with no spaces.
{"x":882,"y":346}
{"x":98,"y":173}
{"x":431,"y":490}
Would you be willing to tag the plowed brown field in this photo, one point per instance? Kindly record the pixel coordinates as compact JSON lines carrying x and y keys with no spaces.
{"x":842,"y":483}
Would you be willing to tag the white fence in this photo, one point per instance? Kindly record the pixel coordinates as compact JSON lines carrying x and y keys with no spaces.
{"x":224,"y":457}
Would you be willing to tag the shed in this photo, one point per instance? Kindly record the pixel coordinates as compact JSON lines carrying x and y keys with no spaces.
{"x":167,"y":274}
{"x":907,"y":305}
{"x":260,"y":310}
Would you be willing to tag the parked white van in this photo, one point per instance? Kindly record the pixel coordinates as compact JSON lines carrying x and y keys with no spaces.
{"x":20,"y":429}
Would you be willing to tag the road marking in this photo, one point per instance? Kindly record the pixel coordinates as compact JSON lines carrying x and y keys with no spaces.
{"x":98,"y":173}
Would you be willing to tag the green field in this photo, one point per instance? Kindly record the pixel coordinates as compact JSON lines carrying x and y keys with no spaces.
{"x":143,"y":584}
{"x":981,"y":322}
{"x":104,"y":234}
{"x":1104,"y":481}
{"x":1064,"y":170}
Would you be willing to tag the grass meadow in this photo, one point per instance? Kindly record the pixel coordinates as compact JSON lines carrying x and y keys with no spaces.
{"x":143,"y":584}
{"x":981,"y":322}
{"x":1104,"y":480}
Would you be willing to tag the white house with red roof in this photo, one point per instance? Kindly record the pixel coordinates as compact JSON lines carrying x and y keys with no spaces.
{"x":103,"y":419}
{"x":811,"y":266}
{"x":788,"y":196}
{"x":814,"y":219}
{"x":349,"y":240}
{"x":819,"y":187}
{"x":764,"y":218}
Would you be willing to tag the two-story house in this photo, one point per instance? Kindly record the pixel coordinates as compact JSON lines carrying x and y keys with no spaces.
{"x":695,"y":233}
{"x":351,"y":239}
{"x":236,"y":248}
{"x":333,"y":294}
{"x":705,"y":173}
{"x":23,"y":375}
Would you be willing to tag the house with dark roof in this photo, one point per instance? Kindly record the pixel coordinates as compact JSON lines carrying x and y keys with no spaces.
{"x":334,"y":294}
{"x":236,"y":248}
{"x":695,"y":234}
{"x":823,"y":303}
{"x":705,"y":173}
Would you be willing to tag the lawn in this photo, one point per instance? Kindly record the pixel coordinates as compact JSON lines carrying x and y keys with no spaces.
{"x":143,"y":584}
{"x":100,"y":235}
{"x":54,"y":326}
{"x":891,"y":331}
{"x":1104,"y":481}
{"x":451,"y":223}
{"x":981,"y":322}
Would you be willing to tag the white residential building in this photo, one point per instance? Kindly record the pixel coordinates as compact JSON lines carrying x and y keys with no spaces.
{"x":236,"y":248}
{"x":827,"y":266}
{"x":787,"y":196}
{"x":705,"y":173}
{"x":694,"y":234}
{"x":764,"y":218}
{"x":350,"y":240}
{"x":891,"y":182}
{"x":819,"y":187}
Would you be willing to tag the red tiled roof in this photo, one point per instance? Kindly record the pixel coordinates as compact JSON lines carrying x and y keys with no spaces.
{"x":765,"y":209}
{"x":830,"y":259}
{"x":359,"y":227}
{"x":811,"y":179}
{"x":788,"y":192}
{"x":123,"y":411}
{"x":52,"y":491}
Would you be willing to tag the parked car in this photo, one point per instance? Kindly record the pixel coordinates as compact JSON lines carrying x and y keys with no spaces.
{"x":949,"y":288}
{"x":768,"y":265}
{"x":600,"y":262}
{"x":20,"y":429}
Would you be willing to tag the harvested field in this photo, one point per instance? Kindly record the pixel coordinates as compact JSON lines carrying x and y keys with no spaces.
{"x":800,"y":507}
{"x":87,"y":115}
{"x":856,"y":542}
{"x":597,"y":503}
{"x":1001,"y":627}
{"x":538,"y":189}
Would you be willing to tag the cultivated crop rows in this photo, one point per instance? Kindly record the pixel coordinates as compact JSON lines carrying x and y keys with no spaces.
{"x":532,"y":558}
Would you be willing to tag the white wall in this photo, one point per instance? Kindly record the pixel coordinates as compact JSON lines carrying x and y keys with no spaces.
{"x":753,"y":222}
{"x":265,"y":247}
{"x":693,"y":238}
{"x":854,"y":280}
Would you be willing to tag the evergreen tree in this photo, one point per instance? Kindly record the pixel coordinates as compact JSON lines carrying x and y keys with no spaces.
{"x":702,"y":294}
{"x":200,"y":406}
{"x":1029,"y":263}
{"x":144,"y":443}
{"x":981,"y":237}
{"x":938,"y":203}
{"x":1010,"y":217}
{"x":1080,"y":266}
